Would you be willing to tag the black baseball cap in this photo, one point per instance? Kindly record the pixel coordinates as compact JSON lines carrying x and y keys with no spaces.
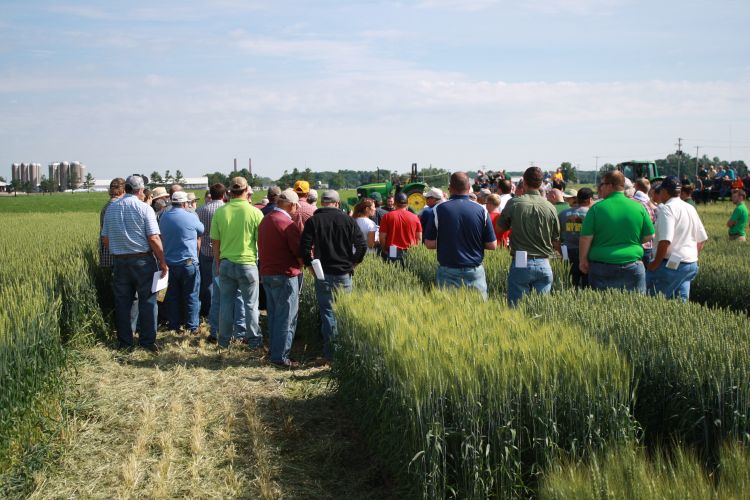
{"x":672,"y":184}
{"x":401,"y":199}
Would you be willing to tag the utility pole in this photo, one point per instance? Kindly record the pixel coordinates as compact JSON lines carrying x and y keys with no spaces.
{"x":597,"y":163}
{"x":679,"y":156}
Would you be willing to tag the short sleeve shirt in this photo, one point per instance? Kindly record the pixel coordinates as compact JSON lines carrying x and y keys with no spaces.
{"x":571,"y":221}
{"x":679,"y":223}
{"x":534,"y":222}
{"x":236,"y":226}
{"x":617,"y":225}
{"x":461,"y":228}
{"x":401,"y":228}
{"x":180,"y":230}
{"x":128,"y":223}
{"x":739,"y":215}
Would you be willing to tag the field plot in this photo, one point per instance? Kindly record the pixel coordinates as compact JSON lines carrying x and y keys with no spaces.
{"x":433,"y":394}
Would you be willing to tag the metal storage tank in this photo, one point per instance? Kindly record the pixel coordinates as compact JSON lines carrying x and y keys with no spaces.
{"x":15,"y":172}
{"x":64,"y":172}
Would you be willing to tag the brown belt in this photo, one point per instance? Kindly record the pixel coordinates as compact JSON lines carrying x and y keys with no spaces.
{"x":132,"y":255}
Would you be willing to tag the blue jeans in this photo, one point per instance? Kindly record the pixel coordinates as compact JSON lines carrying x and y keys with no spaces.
{"x":184,"y":285}
{"x":242,"y":277}
{"x":131,"y":276}
{"x":207,"y":276}
{"x":672,"y":283}
{"x":282,"y":305}
{"x":324,"y":293}
{"x":536,"y":276}
{"x":631,"y":277}
{"x":456,"y":277}
{"x":240,"y":329}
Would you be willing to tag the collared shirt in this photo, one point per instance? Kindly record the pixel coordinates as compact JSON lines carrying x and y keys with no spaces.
{"x":180,"y":230}
{"x":128,"y":223}
{"x":236,"y":226}
{"x":205,"y":215}
{"x":105,"y":257}
{"x":679,"y":223}
{"x":618,"y":226}
{"x":461,"y":228}
{"x":504,"y":199}
{"x":278,"y":245}
{"x":401,"y":228}
{"x":739,"y":216}
{"x":534,"y":222}
{"x":304,"y":211}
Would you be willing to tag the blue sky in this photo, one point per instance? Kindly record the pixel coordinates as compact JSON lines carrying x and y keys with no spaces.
{"x":142,"y":86}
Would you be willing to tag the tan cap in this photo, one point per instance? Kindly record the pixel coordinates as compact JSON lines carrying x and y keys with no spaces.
{"x":289,"y":195}
{"x":159,"y":192}
{"x":238,"y":184}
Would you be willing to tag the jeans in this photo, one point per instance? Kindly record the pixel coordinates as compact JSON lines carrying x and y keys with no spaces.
{"x":631,"y":277}
{"x":207,"y":275}
{"x":648,"y":256}
{"x":324,"y":293}
{"x":282,"y":305}
{"x":213,"y":313}
{"x":672,"y":283}
{"x":131,"y":276}
{"x":578,"y":279}
{"x":242,"y":277}
{"x":456,"y":277}
{"x":536,"y":276}
{"x":184,"y":286}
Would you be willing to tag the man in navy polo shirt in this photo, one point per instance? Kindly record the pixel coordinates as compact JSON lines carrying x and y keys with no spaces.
{"x":461,"y":231}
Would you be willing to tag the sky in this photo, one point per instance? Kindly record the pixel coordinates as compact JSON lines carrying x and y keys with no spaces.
{"x":139,"y":86}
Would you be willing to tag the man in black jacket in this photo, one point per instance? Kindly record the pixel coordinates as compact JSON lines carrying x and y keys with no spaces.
{"x":334,"y":238}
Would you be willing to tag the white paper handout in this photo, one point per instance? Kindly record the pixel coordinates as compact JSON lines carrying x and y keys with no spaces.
{"x":393,"y":252}
{"x":674,"y":261}
{"x":564,"y":252}
{"x":318,"y":269}
{"x":159,"y":283}
{"x":521,"y":257}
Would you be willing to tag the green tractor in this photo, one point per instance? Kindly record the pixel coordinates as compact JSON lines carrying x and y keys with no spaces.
{"x":634,"y":170}
{"x":414,"y":190}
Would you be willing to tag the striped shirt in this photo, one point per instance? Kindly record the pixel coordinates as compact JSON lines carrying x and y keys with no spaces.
{"x":128,"y":223}
{"x":105,"y":258}
{"x":206,"y":215}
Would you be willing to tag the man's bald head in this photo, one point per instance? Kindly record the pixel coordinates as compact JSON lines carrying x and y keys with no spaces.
{"x":459,"y":183}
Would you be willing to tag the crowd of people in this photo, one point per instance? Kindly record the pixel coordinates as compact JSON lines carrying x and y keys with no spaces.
{"x":228,"y":256}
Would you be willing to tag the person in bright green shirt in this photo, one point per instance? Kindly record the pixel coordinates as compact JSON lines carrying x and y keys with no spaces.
{"x":738,"y":221}
{"x":234,"y":235}
{"x":612,"y":235}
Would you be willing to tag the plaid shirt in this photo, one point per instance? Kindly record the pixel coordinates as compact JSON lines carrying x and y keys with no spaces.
{"x":206,"y":215}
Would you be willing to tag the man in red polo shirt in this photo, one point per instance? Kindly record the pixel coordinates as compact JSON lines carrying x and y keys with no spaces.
{"x":399,"y":230}
{"x":280,"y":266}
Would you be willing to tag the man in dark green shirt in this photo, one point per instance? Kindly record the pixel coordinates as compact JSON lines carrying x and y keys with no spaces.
{"x":612,"y":236}
{"x":535,"y":237}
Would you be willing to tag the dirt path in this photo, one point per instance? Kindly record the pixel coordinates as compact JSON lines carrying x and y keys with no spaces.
{"x":194,"y":422}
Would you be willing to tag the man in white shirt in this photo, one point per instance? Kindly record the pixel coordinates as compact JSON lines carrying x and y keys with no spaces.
{"x":679,"y":238}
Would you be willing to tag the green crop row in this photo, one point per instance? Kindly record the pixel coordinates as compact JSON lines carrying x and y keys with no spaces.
{"x":691,"y":363}
{"x":467,"y":399}
{"x":628,"y":472}
{"x":48,"y":298}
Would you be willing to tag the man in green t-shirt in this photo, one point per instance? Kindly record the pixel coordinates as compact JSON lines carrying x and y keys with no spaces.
{"x":234,"y":236}
{"x":612,"y":236}
{"x":738,"y":221}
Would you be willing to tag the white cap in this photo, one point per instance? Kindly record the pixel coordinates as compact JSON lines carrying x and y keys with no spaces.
{"x":179,"y":197}
{"x":434,"y":193}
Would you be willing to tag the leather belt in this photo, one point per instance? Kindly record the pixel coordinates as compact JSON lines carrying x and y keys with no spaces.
{"x":132,"y":255}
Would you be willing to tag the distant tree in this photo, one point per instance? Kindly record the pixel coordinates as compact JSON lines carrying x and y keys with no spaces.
{"x":47,"y":185}
{"x":28,"y":187}
{"x":216,"y":177}
{"x":338,"y":181}
{"x":88,"y":182}
{"x":168,"y":179}
{"x":569,"y":172}
{"x":155,"y":179}
{"x":308,"y":175}
{"x":2,"y":179}
{"x":178,"y":178}
{"x":435,"y":176}
{"x":607,"y":167}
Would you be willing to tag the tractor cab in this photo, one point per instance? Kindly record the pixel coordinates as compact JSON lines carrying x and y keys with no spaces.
{"x":634,"y":170}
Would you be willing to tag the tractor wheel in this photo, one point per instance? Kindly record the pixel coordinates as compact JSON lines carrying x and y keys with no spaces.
{"x":416,"y":199}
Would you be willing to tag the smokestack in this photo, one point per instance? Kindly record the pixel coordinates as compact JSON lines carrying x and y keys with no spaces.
{"x":250,"y":165}
{"x":235,"y":164}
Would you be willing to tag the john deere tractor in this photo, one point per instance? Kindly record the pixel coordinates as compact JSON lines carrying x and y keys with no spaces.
{"x":634,"y":170}
{"x":414,"y":190}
